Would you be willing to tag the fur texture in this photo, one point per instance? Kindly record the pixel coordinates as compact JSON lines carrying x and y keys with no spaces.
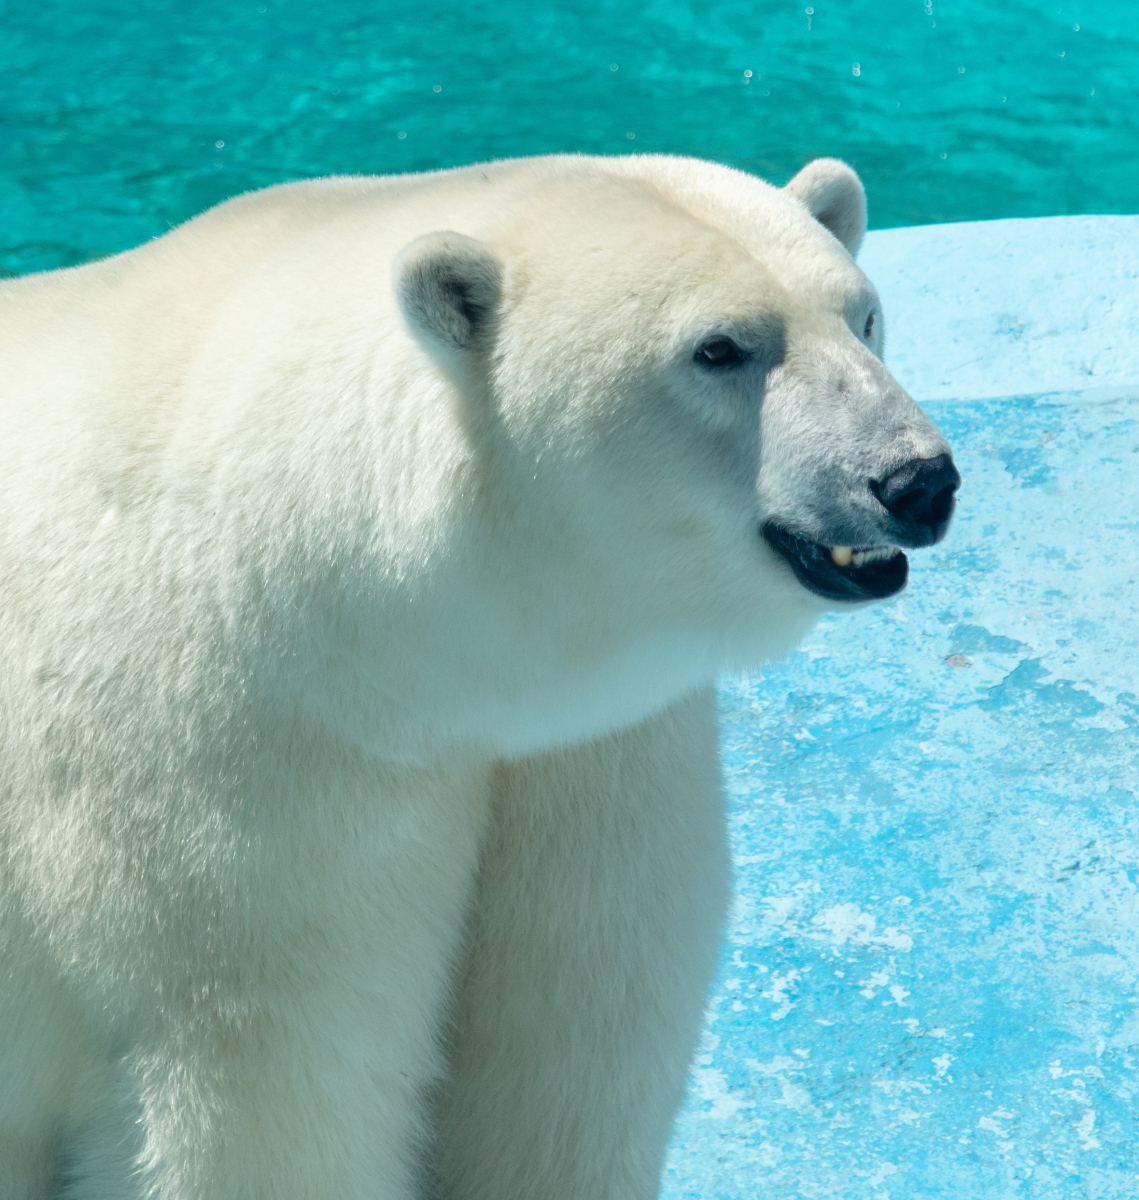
{"x":370,"y":548}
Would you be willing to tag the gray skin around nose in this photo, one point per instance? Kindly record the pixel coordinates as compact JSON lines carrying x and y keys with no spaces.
{"x":919,"y":496}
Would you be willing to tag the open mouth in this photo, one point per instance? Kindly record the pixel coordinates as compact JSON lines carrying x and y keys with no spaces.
{"x":841,"y":572}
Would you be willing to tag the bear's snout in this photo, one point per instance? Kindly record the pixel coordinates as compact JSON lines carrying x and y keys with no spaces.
{"x":919,"y":496}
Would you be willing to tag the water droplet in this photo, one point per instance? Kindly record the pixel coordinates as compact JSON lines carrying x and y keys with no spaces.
{"x":944,"y":156}
{"x":856,"y":69}
{"x":810,"y":12}
{"x":960,"y":70}
{"x":630,"y":136}
{"x":612,"y":66}
{"x":219,"y":145}
{"x":437,"y":88}
{"x":1075,"y":29}
{"x":747,"y":74}
{"x":401,"y":135}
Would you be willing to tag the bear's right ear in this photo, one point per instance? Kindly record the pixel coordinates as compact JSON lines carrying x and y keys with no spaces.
{"x":833,"y":194}
{"x":448,"y":287}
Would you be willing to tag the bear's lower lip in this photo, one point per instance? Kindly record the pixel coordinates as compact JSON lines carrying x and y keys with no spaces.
{"x":816,"y":569}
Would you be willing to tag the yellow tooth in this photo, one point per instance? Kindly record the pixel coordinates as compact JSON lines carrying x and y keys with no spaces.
{"x":841,"y":555}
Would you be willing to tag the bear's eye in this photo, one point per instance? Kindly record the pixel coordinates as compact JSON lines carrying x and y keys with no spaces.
{"x":869,"y":327}
{"x":719,"y":352}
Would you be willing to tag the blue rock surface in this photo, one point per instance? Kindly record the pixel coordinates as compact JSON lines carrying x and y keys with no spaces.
{"x":930,"y":982}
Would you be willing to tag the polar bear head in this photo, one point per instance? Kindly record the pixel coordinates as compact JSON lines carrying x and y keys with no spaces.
{"x":672,"y":375}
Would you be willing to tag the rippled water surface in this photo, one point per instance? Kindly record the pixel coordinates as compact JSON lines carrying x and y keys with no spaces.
{"x":121,"y":118}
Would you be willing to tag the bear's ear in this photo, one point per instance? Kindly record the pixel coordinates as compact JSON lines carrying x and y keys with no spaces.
{"x":833,"y":194}
{"x":448,"y":288}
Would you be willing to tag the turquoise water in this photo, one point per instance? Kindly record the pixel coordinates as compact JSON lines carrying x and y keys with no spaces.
{"x":122,"y":118}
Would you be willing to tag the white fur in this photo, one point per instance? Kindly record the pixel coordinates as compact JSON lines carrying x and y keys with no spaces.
{"x":314,"y":589}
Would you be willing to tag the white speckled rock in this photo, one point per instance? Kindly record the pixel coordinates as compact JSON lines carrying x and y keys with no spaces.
{"x":931,"y":982}
{"x":1009,"y":308}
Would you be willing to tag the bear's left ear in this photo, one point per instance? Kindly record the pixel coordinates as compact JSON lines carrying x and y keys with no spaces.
{"x":834,"y":196}
{"x":448,"y":287}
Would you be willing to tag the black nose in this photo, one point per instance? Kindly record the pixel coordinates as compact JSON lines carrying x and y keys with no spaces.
{"x":920,"y":494}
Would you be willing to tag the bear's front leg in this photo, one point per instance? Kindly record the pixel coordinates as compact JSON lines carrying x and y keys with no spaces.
{"x":598,"y":910}
{"x":299,"y":1070}
{"x":25,"y":1168}
{"x":300,"y":1102}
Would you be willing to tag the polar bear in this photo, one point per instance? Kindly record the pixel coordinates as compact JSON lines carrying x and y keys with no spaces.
{"x":370,"y":548}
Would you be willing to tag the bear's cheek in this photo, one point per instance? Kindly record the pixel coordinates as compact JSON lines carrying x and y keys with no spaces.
{"x":699,"y":465}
